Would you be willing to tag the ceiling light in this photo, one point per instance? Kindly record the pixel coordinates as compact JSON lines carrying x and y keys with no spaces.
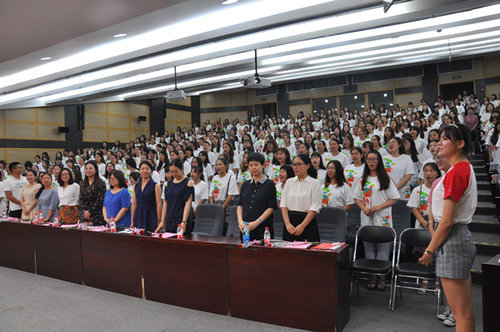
{"x":355,"y":97}
{"x":120,"y":35}
{"x":326,"y":100}
{"x":229,"y":2}
{"x":45,"y":58}
{"x":385,"y":94}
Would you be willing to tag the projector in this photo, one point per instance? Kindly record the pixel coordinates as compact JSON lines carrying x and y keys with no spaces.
{"x":176,"y":95}
{"x":256,"y":82}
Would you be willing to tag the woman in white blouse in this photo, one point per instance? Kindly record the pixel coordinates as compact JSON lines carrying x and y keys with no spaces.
{"x":69,"y":196}
{"x":300,"y":202}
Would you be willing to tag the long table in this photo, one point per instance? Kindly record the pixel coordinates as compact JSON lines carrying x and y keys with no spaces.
{"x":305,"y":289}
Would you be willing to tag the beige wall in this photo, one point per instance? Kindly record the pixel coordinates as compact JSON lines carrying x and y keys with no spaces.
{"x":176,"y":118}
{"x":32,"y":123}
{"x":242,"y":115}
{"x":115,"y":121}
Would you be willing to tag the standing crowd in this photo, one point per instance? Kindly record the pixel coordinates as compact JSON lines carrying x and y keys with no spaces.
{"x":332,"y":158}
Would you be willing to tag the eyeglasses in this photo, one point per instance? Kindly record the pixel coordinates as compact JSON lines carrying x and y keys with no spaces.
{"x":297,"y":164}
{"x":372,"y":160}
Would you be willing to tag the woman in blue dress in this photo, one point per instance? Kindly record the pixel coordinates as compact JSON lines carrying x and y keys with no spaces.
{"x":179,"y":195}
{"x":117,"y":201}
{"x":146,"y":200}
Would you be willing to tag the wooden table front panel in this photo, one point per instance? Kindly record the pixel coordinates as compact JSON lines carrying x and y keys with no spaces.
{"x":112,"y":262}
{"x":17,"y":246}
{"x":288,"y":287}
{"x":186,"y":273}
{"x":58,"y":254}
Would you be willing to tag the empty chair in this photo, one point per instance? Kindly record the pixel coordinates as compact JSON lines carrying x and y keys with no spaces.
{"x":353,"y":223}
{"x":332,"y":224}
{"x":233,"y":230}
{"x":364,"y":269}
{"x":278,"y":224}
{"x":401,"y":216}
{"x":407,"y":274}
{"x":209,"y":220}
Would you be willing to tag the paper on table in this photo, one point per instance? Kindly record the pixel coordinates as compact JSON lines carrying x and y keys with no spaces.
{"x":328,"y":246}
{"x":69,"y":226}
{"x":167,"y":234}
{"x":298,"y":245}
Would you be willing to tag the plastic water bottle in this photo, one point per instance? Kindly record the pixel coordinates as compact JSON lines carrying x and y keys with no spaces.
{"x":4,"y":214}
{"x":246,"y":236}
{"x":267,"y":237}
{"x":180,"y":232}
{"x":112,"y":225}
{"x":35,"y":217}
{"x":56,"y":220}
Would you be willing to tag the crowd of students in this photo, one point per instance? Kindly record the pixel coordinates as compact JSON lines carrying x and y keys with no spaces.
{"x":332,"y":158}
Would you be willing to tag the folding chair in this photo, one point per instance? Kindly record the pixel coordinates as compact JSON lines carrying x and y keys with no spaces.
{"x":353,"y":223}
{"x":364,"y":269}
{"x":408,"y":274}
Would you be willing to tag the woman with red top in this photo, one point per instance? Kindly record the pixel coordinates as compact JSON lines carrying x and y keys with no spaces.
{"x":454,"y":201}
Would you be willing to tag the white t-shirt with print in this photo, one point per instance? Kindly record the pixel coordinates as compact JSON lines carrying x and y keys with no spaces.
{"x":15,"y":186}
{"x":221,"y":187}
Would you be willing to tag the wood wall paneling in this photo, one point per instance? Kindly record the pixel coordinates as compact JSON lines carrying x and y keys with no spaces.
{"x":492,"y":88}
{"x":294,"y":110}
{"x":21,"y":130}
{"x":51,"y":114}
{"x":50,"y":132}
{"x":404,"y":99}
{"x":24,"y":114}
{"x":302,"y":94}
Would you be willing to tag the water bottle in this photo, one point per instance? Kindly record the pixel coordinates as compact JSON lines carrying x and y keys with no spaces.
{"x":35,"y":217}
{"x":180,"y":232}
{"x":112,"y":225}
{"x":267,"y":237}
{"x":4,"y":214}
{"x":246,"y":236}
{"x":56,"y":220}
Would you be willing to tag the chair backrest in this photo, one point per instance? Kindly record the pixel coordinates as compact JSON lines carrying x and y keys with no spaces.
{"x":376,"y":234}
{"x":332,"y":224}
{"x":401,"y":216}
{"x":209,"y":220}
{"x":233,"y":230}
{"x":278,"y":224}
{"x":415,"y":237}
{"x":354,"y":215}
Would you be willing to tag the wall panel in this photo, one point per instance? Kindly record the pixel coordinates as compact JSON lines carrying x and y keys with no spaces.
{"x":26,"y":114}
{"x":492,"y":88}
{"x":294,"y":110}
{"x":406,"y":98}
{"x":21,"y":130}
{"x":50,"y":132}
{"x":177,"y":118}
{"x":51,"y":114}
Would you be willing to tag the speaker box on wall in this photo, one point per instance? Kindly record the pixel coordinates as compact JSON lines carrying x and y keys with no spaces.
{"x":63,"y":129}
{"x":142,"y":118}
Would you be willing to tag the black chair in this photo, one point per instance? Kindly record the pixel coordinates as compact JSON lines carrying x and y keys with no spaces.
{"x":401,"y":216}
{"x":209,"y":220}
{"x":233,"y":230}
{"x":364,"y":269}
{"x":353,"y":223}
{"x":332,"y":224}
{"x":278,"y":224}
{"x":408,"y":274}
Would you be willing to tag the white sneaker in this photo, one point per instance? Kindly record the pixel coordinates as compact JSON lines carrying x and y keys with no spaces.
{"x":444,"y":315}
{"x":450,"y":321}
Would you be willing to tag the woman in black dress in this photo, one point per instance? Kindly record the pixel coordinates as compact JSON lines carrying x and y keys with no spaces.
{"x":92,"y":193}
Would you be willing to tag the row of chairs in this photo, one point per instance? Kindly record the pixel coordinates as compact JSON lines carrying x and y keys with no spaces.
{"x":334,"y":224}
{"x":404,"y":272}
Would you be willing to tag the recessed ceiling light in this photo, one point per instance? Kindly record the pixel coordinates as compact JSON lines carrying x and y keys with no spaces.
{"x":120,"y":35}
{"x":326,"y":100}
{"x":229,"y":2}
{"x":385,"y":94}
{"x":355,"y":97}
{"x":45,"y":58}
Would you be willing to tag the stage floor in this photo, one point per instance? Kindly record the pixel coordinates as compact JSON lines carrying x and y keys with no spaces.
{"x":30,"y":302}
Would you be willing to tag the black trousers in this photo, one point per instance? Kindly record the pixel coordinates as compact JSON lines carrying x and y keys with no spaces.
{"x":311,"y":232}
{"x":16,"y":213}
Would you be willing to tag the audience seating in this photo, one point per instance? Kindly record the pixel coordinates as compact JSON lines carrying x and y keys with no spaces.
{"x":209,"y":220}
{"x":332,"y":224}
{"x":362,"y":268}
{"x":353,"y":223}
{"x":401,"y":216}
{"x":407,"y":274}
{"x":278,"y":224}
{"x":233,"y":230}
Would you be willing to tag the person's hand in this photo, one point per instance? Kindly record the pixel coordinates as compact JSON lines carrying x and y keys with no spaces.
{"x":241,"y":225}
{"x":183,"y":226}
{"x":253,"y":225}
{"x":299,"y":229}
{"x":426,"y":259}
{"x":86,"y":215}
{"x":366,"y":210}
{"x":374,"y":209}
{"x":107,"y":220}
{"x":290,"y":228}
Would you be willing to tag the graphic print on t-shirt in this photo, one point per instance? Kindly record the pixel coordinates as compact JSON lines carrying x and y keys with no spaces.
{"x":367,"y":193}
{"x":388,"y":164}
{"x":350,"y":176}
{"x":216,"y":186}
{"x":325,"y":198}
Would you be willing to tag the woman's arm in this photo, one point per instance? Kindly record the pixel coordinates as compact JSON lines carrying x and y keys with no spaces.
{"x":187,"y":210}
{"x":404,"y":181}
{"x":362,"y":206}
{"x":286,"y":218}
{"x":158,"y":201}
{"x":431,"y":221}
{"x":163,"y":216}
{"x":386,"y":204}
{"x":254,"y":224}
{"x":227,"y":201}
{"x":49,"y":214}
{"x":442,"y":231}
{"x":121,"y":214}
{"x":211,"y":200}
{"x":419,"y":217}
{"x":105,"y":215}
{"x":239,"y":214}
{"x":134,"y":205}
